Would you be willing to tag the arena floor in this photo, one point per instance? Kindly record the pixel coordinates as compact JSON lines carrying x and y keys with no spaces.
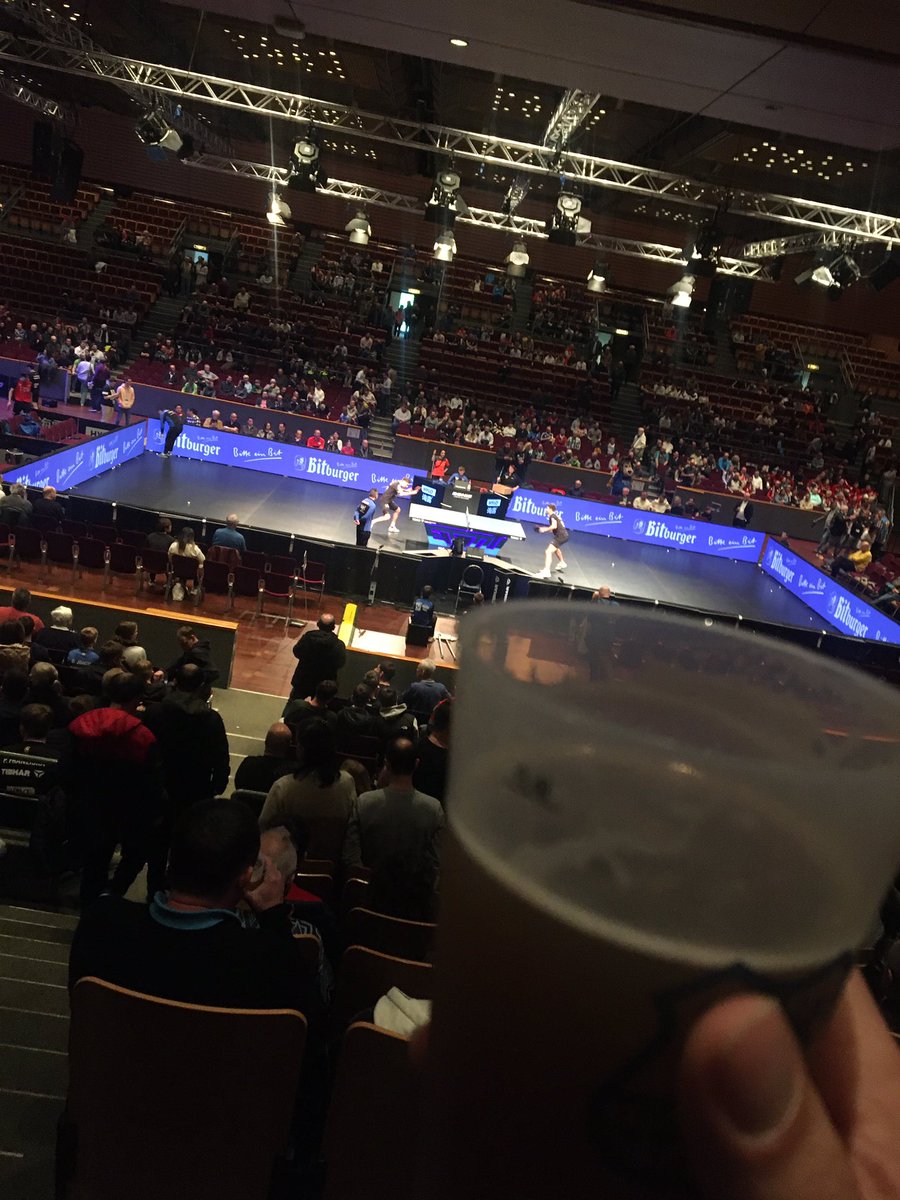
{"x":212,"y":490}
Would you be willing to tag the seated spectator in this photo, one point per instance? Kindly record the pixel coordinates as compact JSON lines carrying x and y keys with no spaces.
{"x":317,"y":793}
{"x":396,"y":719}
{"x":430,"y":775}
{"x":314,"y":708}
{"x":20,"y":602}
{"x":161,"y":537}
{"x":423,"y":609}
{"x":14,"y":652}
{"x":48,"y":505}
{"x":126,"y":634}
{"x":315,"y":441}
{"x":44,"y":688}
{"x":16,"y":507}
{"x":188,"y":943}
{"x":853,"y":564}
{"x":394,"y":820}
{"x":230,"y":536}
{"x":277,"y":847}
{"x":194,"y":650}
{"x":36,"y":732}
{"x":425,"y":693}
{"x":13,"y":693}
{"x":59,"y":638}
{"x":358,"y":718}
{"x":258,"y":772}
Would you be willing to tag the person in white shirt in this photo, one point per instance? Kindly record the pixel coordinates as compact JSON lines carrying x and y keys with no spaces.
{"x":756,"y":482}
{"x":639,"y":445}
{"x":644,"y":503}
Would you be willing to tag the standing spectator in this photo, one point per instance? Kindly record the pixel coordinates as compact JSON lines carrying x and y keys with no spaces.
{"x":195,"y":651}
{"x":192,"y":742}
{"x":99,"y":383}
{"x":172,"y":425}
{"x":258,"y":772}
{"x":318,"y":794}
{"x":312,"y":708}
{"x":395,"y":821}
{"x":430,"y":775}
{"x":320,"y":654}
{"x":395,"y":719}
{"x":115,"y":787}
{"x":358,"y":718}
{"x":124,"y":395}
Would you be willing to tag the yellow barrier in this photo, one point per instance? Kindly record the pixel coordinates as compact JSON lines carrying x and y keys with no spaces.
{"x":347,"y":623}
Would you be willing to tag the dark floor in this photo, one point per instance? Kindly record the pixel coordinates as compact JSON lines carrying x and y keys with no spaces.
{"x":213,"y":490}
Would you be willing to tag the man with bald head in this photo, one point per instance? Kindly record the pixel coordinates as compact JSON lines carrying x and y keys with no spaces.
{"x":320,"y":654}
{"x":230,"y":537}
{"x":603,"y":595}
{"x":258,"y":772}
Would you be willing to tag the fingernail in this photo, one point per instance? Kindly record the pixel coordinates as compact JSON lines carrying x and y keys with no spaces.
{"x":757,"y":1076}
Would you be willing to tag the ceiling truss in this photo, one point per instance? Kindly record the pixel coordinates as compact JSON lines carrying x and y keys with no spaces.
{"x":571,"y":112}
{"x":518,"y":156}
{"x":485,"y":218}
{"x":800,"y":244}
{"x":61,"y":33}
{"x":53,"y":110}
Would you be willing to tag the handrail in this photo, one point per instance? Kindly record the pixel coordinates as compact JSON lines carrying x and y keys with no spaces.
{"x":11,"y":201}
{"x":177,"y":236}
{"x":848,"y":371}
{"x":799,"y":356}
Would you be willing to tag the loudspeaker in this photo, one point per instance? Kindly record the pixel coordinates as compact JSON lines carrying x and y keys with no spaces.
{"x":68,"y":173}
{"x":886,"y":273}
{"x":42,"y":150}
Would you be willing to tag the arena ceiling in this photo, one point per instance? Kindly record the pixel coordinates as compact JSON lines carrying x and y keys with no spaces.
{"x":800,"y":98}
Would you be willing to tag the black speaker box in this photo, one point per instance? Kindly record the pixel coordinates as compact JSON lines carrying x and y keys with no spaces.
{"x":67,"y":177}
{"x":42,"y":150}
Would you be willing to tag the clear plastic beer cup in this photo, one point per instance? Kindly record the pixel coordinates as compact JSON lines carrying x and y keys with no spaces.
{"x":644,"y":814}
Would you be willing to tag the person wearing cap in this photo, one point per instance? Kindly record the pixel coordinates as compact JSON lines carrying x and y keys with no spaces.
{"x":58,"y":638}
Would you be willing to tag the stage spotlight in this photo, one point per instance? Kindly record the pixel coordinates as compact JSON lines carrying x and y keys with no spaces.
{"x":567,"y":223}
{"x":517,"y":260}
{"x":597,"y":280}
{"x":682,"y":291}
{"x":359,"y":229}
{"x":822,"y":275}
{"x":445,"y":246}
{"x":154,"y":130}
{"x":845,"y":271}
{"x":702,"y":251}
{"x":445,"y":203}
{"x":279,"y":212}
{"x":304,"y":170}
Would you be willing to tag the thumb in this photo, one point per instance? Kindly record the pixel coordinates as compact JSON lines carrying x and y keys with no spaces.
{"x":754,"y":1124}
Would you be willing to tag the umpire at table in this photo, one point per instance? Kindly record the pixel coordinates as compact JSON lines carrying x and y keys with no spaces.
{"x":362,"y":517}
{"x":320,"y":654}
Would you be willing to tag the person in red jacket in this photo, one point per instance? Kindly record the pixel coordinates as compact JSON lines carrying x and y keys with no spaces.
{"x":316,"y":441}
{"x":115,"y":787}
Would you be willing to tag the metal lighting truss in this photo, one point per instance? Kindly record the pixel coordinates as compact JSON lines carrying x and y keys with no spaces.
{"x":63,"y":34}
{"x":360,"y":193}
{"x":522,"y":156}
{"x":773,"y":247}
{"x":569,"y":114}
{"x":55,"y":110}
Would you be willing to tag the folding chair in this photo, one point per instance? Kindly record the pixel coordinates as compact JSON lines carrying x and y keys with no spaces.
{"x":390,"y":935}
{"x":124,"y":560}
{"x":249,"y":1064}
{"x":366,"y":975}
{"x":219,"y":579}
{"x":153,"y":563}
{"x":184,"y":570}
{"x":276,"y":587}
{"x":469,"y":585}
{"x":372,"y":1128}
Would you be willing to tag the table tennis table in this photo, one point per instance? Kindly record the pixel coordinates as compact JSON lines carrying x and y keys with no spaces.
{"x":444,"y":525}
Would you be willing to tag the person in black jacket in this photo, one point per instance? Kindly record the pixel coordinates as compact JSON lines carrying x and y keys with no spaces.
{"x":359,"y":719}
{"x":192,"y":742}
{"x":194,"y":652}
{"x":258,"y":772}
{"x":395,"y":717}
{"x":188,"y":944}
{"x":320,"y":654}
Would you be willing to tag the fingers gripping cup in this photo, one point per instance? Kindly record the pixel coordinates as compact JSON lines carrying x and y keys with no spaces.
{"x":645,"y":815}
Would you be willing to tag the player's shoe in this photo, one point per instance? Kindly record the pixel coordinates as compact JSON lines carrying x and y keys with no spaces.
{"x":545,"y":574}
{"x":561,"y":566}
